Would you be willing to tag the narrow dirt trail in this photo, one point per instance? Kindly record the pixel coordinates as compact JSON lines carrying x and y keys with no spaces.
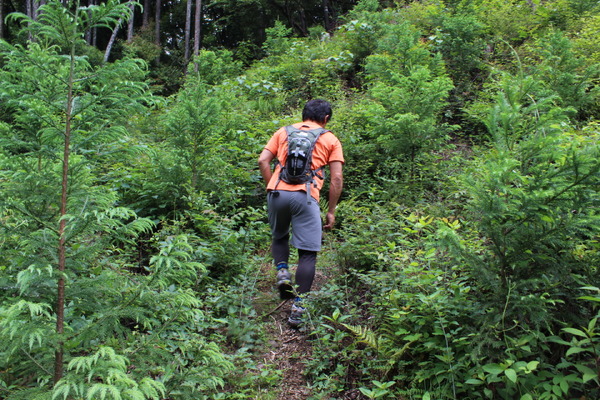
{"x":287,"y":348}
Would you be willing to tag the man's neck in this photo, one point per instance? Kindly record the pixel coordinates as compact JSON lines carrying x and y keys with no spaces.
{"x":310,"y":121}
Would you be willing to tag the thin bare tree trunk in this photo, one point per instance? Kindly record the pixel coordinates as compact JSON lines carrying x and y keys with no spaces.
{"x":29,"y":12}
{"x":188,"y":27}
{"x":197,"y":27}
{"x":146,"y":14}
{"x":157,"y":27}
{"x":62,"y":239}
{"x":130,"y":25}
{"x":112,"y":39}
{"x":157,"y":23}
{"x":90,"y":34}
{"x":1,"y":19}
{"x":36,"y":7}
{"x":326,"y":16}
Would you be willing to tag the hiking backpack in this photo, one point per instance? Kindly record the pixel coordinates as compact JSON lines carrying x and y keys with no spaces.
{"x":297,"y":168}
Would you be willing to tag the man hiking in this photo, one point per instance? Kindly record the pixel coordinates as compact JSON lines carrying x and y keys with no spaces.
{"x":302,"y":151}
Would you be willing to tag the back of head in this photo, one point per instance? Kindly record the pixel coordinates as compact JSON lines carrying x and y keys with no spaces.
{"x":317,"y":110}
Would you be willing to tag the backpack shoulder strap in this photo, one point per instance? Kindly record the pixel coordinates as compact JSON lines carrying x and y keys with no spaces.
{"x":289,"y":129}
{"x":317,"y":132}
{"x":320,"y":130}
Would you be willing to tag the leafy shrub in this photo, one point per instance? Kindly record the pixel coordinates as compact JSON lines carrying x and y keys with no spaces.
{"x":585,"y":43}
{"x":215,"y":66}
{"x":462,"y":41}
{"x":564,"y":74}
{"x":404,"y":321}
{"x":411,"y":87}
{"x":526,"y":200}
{"x":278,"y":39}
{"x":513,"y":21}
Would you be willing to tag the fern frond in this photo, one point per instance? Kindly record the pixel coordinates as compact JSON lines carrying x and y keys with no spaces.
{"x":34,"y":309}
{"x":61,"y":390}
{"x":364,"y":335}
{"x":27,"y":323}
{"x":133,"y":394}
{"x":80,"y":363}
{"x":395,"y":357}
{"x":101,"y":390}
{"x":152,"y":389}
{"x":31,"y":394}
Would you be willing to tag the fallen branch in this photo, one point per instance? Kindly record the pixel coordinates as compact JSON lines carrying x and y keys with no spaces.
{"x":275,"y":309}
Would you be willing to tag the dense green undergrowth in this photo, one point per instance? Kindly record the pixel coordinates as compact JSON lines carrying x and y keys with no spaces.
{"x":464,"y":264}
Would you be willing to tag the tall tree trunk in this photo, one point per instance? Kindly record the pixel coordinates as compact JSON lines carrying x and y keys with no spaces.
{"x":130,"y":23}
{"x":1,"y":19}
{"x":146,"y":14}
{"x":326,"y":16}
{"x":157,"y":23}
{"x":302,"y":24}
{"x":197,"y":27}
{"x":36,"y":7}
{"x":62,"y":240}
{"x":90,"y":34}
{"x":29,"y":12}
{"x":157,"y":27}
{"x":188,"y":27}
{"x":112,"y":39}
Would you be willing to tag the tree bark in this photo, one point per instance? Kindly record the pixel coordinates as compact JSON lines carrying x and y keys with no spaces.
{"x":197,"y":31}
{"x":130,"y":24}
{"x":36,"y":8}
{"x":326,"y":16}
{"x":188,"y":27}
{"x":1,"y":19}
{"x":157,"y":14}
{"x":90,"y":34}
{"x":146,"y":14}
{"x":157,"y":23}
{"x":112,"y":39}
{"x":302,"y":24}
{"x":62,"y":225}
{"x":29,"y":12}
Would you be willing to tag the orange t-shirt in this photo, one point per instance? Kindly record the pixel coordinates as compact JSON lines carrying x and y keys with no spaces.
{"x":327,"y":149}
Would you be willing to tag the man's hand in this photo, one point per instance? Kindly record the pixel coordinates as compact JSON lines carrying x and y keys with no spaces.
{"x":329,"y":221}
{"x":335,"y":190}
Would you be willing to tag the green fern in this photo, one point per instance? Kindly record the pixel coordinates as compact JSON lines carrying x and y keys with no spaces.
{"x":364,"y":335}
{"x":25,"y":323}
{"x":105,"y":375}
{"x":31,"y":394}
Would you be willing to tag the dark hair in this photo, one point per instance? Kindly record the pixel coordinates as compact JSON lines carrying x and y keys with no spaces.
{"x":316,"y":110}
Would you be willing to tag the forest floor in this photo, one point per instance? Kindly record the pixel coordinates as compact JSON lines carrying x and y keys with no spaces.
{"x":286,"y":348}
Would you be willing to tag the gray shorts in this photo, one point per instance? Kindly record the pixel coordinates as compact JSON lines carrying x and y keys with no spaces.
{"x":291,"y":208}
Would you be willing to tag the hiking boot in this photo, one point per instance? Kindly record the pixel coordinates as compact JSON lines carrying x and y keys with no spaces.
{"x":284,"y":284}
{"x":296,"y":316}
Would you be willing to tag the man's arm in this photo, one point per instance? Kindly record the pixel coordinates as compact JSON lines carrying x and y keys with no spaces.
{"x":264,"y":164}
{"x":335,"y":190}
